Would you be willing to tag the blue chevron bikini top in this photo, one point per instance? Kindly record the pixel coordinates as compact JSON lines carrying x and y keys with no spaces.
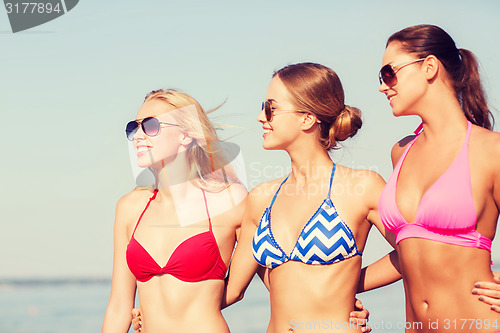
{"x":324,"y":240}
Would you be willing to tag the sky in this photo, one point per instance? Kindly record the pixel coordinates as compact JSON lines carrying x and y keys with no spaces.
{"x":68,"y":88}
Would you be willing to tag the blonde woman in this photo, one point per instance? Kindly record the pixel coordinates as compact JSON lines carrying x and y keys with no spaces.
{"x":173,"y":242}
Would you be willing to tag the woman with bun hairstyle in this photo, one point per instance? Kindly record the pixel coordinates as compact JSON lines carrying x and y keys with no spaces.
{"x":442,"y":200}
{"x":308,"y":229}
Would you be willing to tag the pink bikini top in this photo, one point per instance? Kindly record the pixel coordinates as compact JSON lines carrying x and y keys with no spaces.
{"x":446,"y":211}
{"x":195,"y":259}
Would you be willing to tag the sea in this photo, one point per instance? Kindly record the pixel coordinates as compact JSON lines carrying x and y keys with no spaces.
{"x":78,"y":306}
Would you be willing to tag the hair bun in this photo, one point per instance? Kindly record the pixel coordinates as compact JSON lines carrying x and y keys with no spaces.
{"x":346,"y":125}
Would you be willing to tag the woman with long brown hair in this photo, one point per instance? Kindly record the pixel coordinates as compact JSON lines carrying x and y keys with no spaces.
{"x":442,"y":201}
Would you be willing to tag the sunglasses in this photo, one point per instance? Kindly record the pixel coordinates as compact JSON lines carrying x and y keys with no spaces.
{"x":387,"y":73}
{"x":151,"y":126}
{"x":266,"y":106}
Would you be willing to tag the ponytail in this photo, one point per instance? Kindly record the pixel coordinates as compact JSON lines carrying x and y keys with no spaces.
{"x":470,"y":92}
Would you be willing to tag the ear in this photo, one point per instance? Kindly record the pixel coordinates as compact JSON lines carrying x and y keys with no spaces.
{"x":309,"y":120}
{"x":431,"y":67}
{"x":184,"y":139}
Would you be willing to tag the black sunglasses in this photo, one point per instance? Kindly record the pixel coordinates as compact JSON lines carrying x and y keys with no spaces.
{"x":387,"y":73}
{"x":268,"y":110}
{"x":150,"y":126}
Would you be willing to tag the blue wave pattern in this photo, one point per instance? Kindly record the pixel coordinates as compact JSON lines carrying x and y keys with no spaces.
{"x":324,"y":240}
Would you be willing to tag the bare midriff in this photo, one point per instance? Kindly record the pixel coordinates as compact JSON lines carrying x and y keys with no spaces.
{"x":181,"y":306}
{"x":438,"y":280}
{"x":313,"y":298}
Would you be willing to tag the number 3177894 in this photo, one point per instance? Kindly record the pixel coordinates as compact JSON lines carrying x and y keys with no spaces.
{"x":32,"y":8}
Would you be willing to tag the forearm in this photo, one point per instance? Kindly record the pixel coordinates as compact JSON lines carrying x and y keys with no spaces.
{"x":243,"y":265}
{"x":381,"y":273}
{"x":232,"y":294}
{"x":241,"y":271}
{"x":117,"y":319}
{"x":242,"y":268}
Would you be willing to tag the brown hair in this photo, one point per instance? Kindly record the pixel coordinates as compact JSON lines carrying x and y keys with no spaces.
{"x":317,"y":89}
{"x":209,"y":166}
{"x":460,"y":64}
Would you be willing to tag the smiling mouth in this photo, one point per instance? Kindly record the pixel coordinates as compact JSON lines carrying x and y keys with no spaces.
{"x":142,"y":149}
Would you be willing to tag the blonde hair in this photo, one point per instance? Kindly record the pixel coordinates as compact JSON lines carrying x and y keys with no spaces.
{"x":209,"y":168}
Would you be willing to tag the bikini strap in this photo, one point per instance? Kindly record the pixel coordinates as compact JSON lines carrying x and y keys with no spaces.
{"x":275,"y":194}
{"x":331,"y":179}
{"x":465,"y":146}
{"x":206,"y":207}
{"x":147,"y":205}
{"x":419,"y":128}
{"x":469,"y":130}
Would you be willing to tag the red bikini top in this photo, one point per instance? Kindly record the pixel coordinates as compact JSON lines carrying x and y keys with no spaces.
{"x":195,"y":259}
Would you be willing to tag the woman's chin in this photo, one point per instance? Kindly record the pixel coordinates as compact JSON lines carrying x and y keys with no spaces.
{"x":144,"y":164}
{"x":270,"y":146}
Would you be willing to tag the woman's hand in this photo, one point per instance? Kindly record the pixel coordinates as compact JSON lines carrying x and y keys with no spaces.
{"x":136,"y":319}
{"x":489,"y":292}
{"x":359,"y":317}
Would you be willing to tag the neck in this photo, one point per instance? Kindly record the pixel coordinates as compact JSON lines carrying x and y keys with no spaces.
{"x":441,"y":113}
{"x":445,"y":120}
{"x":172,"y":172}
{"x":309,"y":164}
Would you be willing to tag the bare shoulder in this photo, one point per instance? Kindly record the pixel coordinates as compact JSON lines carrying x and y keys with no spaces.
{"x":238,"y":191}
{"x":399,"y":148}
{"x":229,"y":203}
{"x":367,"y":178}
{"x":489,"y":142}
{"x":131,"y":204}
{"x":134,"y":198}
{"x":261,"y":195}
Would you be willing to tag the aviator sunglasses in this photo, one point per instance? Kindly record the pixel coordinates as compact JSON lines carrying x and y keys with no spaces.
{"x":387,"y":73}
{"x":266,"y":106}
{"x":150,"y":126}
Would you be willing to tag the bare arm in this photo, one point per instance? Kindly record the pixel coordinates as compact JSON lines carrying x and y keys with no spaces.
{"x":489,"y":292}
{"x":386,"y":270}
{"x":381,"y":273}
{"x":123,"y":285}
{"x":243,"y":265}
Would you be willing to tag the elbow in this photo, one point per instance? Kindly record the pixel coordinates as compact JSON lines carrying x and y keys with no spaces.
{"x":361,"y":282}
{"x":232,"y":298}
{"x":117,"y":319}
{"x":236,"y":298}
{"x":239,"y":296}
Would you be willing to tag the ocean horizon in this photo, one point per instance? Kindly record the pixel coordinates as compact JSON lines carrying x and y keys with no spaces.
{"x":77,"y":305}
